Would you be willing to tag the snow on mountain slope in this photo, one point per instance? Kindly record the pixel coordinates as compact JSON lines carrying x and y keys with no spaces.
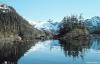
{"x":94,"y":21}
{"x":45,"y":25}
{"x":93,"y":24}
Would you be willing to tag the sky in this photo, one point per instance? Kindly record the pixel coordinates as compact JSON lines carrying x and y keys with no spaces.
{"x":44,"y":10}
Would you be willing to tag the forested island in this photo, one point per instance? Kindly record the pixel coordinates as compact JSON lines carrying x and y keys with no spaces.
{"x":76,"y":27}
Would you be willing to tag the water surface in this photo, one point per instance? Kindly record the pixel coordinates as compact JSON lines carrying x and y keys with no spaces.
{"x":63,"y":52}
{"x":50,"y":52}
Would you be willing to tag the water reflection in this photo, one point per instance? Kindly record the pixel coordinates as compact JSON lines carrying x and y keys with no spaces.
{"x":10,"y":52}
{"x":50,"y":51}
{"x":95,"y":43}
{"x":74,"y":47}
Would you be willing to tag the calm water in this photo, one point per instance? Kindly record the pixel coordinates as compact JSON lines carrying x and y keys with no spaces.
{"x":51,"y":52}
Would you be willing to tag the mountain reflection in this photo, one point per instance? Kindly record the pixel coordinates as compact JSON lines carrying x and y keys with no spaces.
{"x":95,"y":41}
{"x":10,"y":52}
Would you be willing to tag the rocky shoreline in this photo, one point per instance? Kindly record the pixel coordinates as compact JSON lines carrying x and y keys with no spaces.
{"x":76,"y":34}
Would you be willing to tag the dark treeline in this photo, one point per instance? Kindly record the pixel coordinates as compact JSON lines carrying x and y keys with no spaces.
{"x":75,"y":26}
{"x":72,"y":27}
{"x":71,"y":22}
{"x":11,"y":23}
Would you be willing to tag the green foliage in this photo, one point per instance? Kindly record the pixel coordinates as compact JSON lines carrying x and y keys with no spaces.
{"x":71,"y":22}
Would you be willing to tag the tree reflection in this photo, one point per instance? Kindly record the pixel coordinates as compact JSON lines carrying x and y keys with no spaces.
{"x":10,"y":52}
{"x":74,"y":47}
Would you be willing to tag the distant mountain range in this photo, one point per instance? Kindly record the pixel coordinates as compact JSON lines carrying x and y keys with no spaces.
{"x":46,"y":25}
{"x":93,"y":24}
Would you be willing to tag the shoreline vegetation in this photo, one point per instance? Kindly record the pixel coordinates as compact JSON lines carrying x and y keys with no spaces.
{"x":73,"y":27}
{"x":14,"y":27}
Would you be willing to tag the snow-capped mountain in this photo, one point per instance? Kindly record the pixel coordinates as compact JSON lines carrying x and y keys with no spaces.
{"x":45,"y":25}
{"x":93,"y":23}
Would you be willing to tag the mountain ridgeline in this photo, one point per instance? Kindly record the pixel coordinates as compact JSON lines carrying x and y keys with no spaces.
{"x":93,"y":25}
{"x":12,"y":24}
